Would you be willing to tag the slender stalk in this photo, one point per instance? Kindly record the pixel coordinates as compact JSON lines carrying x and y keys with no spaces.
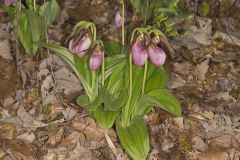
{"x":20,"y":6}
{"x":34,"y":5}
{"x":126,"y":109}
{"x":123,"y":20}
{"x":144,"y":76}
{"x":103,"y":69}
{"x":93,"y":79}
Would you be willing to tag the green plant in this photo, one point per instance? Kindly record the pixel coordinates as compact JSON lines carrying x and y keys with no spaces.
{"x":31,"y":22}
{"x":146,"y":88}
{"x":121,"y":91}
{"x":104,"y":97}
{"x":148,"y":10}
{"x":205,"y":8}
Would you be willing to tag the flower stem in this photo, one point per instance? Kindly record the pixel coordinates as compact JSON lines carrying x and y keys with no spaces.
{"x":144,"y":76}
{"x":34,"y":5}
{"x":123,"y":19}
{"x":103,"y":69}
{"x":126,"y":109}
{"x":93,"y":79}
{"x":20,"y":6}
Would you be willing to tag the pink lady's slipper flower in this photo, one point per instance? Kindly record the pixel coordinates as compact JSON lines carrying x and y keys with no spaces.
{"x":8,"y":2}
{"x":81,"y":43}
{"x":157,"y":55}
{"x":118,"y":20}
{"x":95,"y":60}
{"x":139,"y":52}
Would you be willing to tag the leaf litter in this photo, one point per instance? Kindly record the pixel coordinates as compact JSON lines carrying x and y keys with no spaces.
{"x":40,"y":120}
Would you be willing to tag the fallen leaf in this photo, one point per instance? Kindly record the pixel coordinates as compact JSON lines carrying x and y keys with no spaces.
{"x":67,"y":81}
{"x":27,"y":119}
{"x":69,"y":113}
{"x":222,"y":141}
{"x":202,"y":69}
{"x":55,"y":137}
{"x":7,"y":131}
{"x":92,"y":131}
{"x":20,"y":150}
{"x":28,"y":136}
{"x":227,"y":38}
{"x":5,"y":51}
{"x":213,"y":156}
{"x":225,"y":96}
{"x":80,"y":153}
{"x":166,"y":145}
{"x":199,"y":144}
{"x":73,"y":138}
{"x":50,"y":156}
{"x":179,"y":122}
{"x":2,"y":153}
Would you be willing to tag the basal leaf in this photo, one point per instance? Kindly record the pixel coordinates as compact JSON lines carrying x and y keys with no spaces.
{"x":84,"y":102}
{"x":30,"y":29}
{"x":137,"y":86}
{"x":141,"y":6}
{"x":134,"y":138}
{"x":157,"y":80}
{"x":104,"y":119}
{"x":163,"y":99}
{"x":114,"y":104}
{"x":49,"y":10}
{"x":37,"y":29}
{"x":205,"y":8}
{"x":71,"y":59}
{"x":112,"y":47}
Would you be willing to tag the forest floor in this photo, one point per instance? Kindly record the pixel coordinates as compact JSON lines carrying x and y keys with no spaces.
{"x":39,"y":118}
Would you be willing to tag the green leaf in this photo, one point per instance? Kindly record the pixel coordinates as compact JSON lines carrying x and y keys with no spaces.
{"x":29,"y":4}
{"x":112,"y":63}
{"x":134,"y":138}
{"x":157,"y":80}
{"x":112,"y":47}
{"x":30,"y":30}
{"x":137,"y":86}
{"x":84,"y":102}
{"x":163,"y":99}
{"x":115,"y":80}
{"x":114,"y":104}
{"x":163,"y":6}
{"x":37,"y":29}
{"x":80,"y":68}
{"x":205,"y":8}
{"x":141,"y":6}
{"x":104,"y":119}
{"x":9,"y":10}
{"x":49,"y":10}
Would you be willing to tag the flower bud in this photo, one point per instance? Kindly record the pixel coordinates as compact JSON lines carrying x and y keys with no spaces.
{"x":139,"y":53}
{"x":157,"y":55}
{"x":8,"y":2}
{"x":80,"y":44}
{"x":95,"y":60}
{"x":118,"y":20}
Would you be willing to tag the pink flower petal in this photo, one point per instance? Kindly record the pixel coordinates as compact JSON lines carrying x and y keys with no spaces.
{"x":95,"y":60}
{"x":8,"y":2}
{"x":157,"y":55}
{"x":139,"y":54}
{"x":118,"y":20}
{"x":80,"y":44}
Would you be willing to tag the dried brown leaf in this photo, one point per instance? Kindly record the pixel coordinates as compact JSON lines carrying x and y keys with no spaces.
{"x":55,"y":137}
